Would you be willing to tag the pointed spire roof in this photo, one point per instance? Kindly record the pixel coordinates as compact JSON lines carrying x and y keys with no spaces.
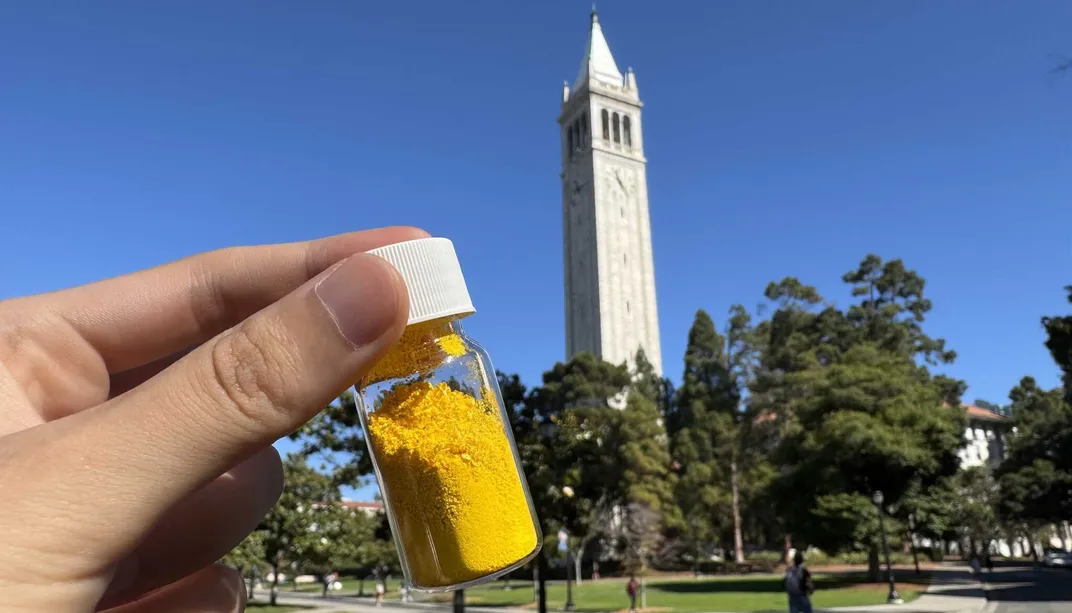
{"x":598,"y":63}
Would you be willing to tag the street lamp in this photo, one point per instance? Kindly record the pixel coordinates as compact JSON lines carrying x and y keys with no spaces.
{"x":567,"y":491}
{"x":547,"y":429}
{"x":894,"y":597}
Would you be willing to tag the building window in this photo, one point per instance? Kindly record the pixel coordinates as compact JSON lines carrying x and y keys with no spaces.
{"x":617,"y":129}
{"x":577,"y":135}
{"x":569,"y":142}
{"x":627,"y":306}
{"x":585,"y":129}
{"x":606,"y":125}
{"x":627,"y":132}
{"x":623,"y":211}
{"x":625,"y":259}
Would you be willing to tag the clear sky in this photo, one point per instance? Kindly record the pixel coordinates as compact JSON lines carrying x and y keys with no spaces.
{"x":783,"y":138}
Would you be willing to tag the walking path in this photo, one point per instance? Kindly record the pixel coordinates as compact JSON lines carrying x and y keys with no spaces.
{"x":952,"y":590}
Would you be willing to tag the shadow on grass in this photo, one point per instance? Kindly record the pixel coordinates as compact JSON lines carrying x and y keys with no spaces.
{"x":771,"y":585}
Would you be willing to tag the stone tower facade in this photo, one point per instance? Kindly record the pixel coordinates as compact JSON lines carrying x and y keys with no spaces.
{"x":610,"y":276}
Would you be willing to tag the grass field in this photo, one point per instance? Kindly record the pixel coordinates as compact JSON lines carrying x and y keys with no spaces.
{"x":752,"y":593}
{"x":350,"y":587}
{"x":262,"y":607}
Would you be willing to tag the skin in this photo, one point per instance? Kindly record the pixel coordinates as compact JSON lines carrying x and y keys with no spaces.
{"x":137,"y":415}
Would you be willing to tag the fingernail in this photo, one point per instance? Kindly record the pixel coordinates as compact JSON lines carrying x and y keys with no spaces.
{"x":361,"y":295}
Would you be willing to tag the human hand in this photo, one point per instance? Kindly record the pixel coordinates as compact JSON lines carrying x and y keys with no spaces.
{"x":137,"y":415}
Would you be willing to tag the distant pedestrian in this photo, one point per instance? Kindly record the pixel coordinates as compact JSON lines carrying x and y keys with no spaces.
{"x":631,"y":589}
{"x":799,"y":585}
{"x":975,"y":565}
{"x":988,"y":561}
{"x":380,"y":589}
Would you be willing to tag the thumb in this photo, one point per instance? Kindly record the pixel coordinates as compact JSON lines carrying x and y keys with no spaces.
{"x":238,"y":393}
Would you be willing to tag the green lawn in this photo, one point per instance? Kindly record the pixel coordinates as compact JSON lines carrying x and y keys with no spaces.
{"x":350,"y":587}
{"x":262,"y":607}
{"x":751,"y":593}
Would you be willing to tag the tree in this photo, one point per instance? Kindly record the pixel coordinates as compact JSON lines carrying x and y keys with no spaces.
{"x":855,"y":413}
{"x":741,"y":353}
{"x":892,"y":309}
{"x":376,"y":556}
{"x":640,"y":537}
{"x":640,"y":444}
{"x":338,"y":536}
{"x":1059,"y":343}
{"x":873,"y":422}
{"x":308,"y":510}
{"x":641,"y":489}
{"x":565,"y":432}
{"x":335,"y":436}
{"x":1036,"y":475}
{"x":976,"y":496}
{"x":699,"y":425}
{"x":246,"y":557}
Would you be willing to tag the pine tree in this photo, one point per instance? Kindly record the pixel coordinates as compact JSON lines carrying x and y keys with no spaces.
{"x":699,"y":425}
{"x":852,"y":411}
{"x":1059,"y":343}
{"x":1036,"y":475}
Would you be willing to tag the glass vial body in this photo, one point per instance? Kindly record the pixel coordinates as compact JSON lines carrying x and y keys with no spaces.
{"x":446,"y":461}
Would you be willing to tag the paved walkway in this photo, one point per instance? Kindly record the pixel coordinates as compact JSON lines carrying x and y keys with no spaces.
{"x":952,"y":590}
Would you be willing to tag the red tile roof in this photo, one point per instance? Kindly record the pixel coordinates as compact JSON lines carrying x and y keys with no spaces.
{"x":975,"y":412}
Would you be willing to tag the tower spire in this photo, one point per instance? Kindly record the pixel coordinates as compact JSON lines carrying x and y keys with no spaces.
{"x":598,"y":62}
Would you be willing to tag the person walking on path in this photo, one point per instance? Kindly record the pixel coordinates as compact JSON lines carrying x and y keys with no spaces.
{"x":631,"y":589}
{"x":380,"y":589}
{"x":799,"y":585}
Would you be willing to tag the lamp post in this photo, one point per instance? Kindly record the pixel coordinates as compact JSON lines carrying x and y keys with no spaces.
{"x":459,"y":601}
{"x":547,"y":429}
{"x":894,"y":597}
{"x":567,"y":491}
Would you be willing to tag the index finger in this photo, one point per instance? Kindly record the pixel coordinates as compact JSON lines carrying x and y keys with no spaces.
{"x":151,"y":314}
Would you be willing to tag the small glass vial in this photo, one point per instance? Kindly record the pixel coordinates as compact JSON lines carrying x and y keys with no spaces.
{"x":440,"y":438}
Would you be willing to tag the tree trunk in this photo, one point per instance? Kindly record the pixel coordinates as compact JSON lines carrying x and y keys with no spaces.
{"x":1064,"y":536}
{"x":643,"y":593}
{"x":873,"y":570}
{"x":361,"y":586}
{"x":252,"y":582}
{"x":787,"y":548}
{"x":738,"y":539}
{"x":275,"y":584}
{"x":577,"y":567}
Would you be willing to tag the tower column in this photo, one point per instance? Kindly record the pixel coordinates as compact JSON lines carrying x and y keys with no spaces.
{"x":611,"y":309}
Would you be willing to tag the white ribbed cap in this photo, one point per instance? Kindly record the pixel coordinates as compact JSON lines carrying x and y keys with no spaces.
{"x":433,"y":276}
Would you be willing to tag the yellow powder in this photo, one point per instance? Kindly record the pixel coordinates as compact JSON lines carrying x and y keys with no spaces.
{"x":447,"y":467}
{"x":422,"y":348}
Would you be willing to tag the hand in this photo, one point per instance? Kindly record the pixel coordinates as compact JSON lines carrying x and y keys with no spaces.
{"x":137,"y":415}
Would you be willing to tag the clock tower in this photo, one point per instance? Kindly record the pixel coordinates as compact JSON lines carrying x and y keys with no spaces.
{"x":609,"y":270}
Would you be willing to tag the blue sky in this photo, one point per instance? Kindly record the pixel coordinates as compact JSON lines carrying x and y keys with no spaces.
{"x":783,"y":138}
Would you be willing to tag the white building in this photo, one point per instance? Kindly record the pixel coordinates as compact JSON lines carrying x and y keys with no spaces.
{"x":609,"y":270}
{"x":985,"y":438}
